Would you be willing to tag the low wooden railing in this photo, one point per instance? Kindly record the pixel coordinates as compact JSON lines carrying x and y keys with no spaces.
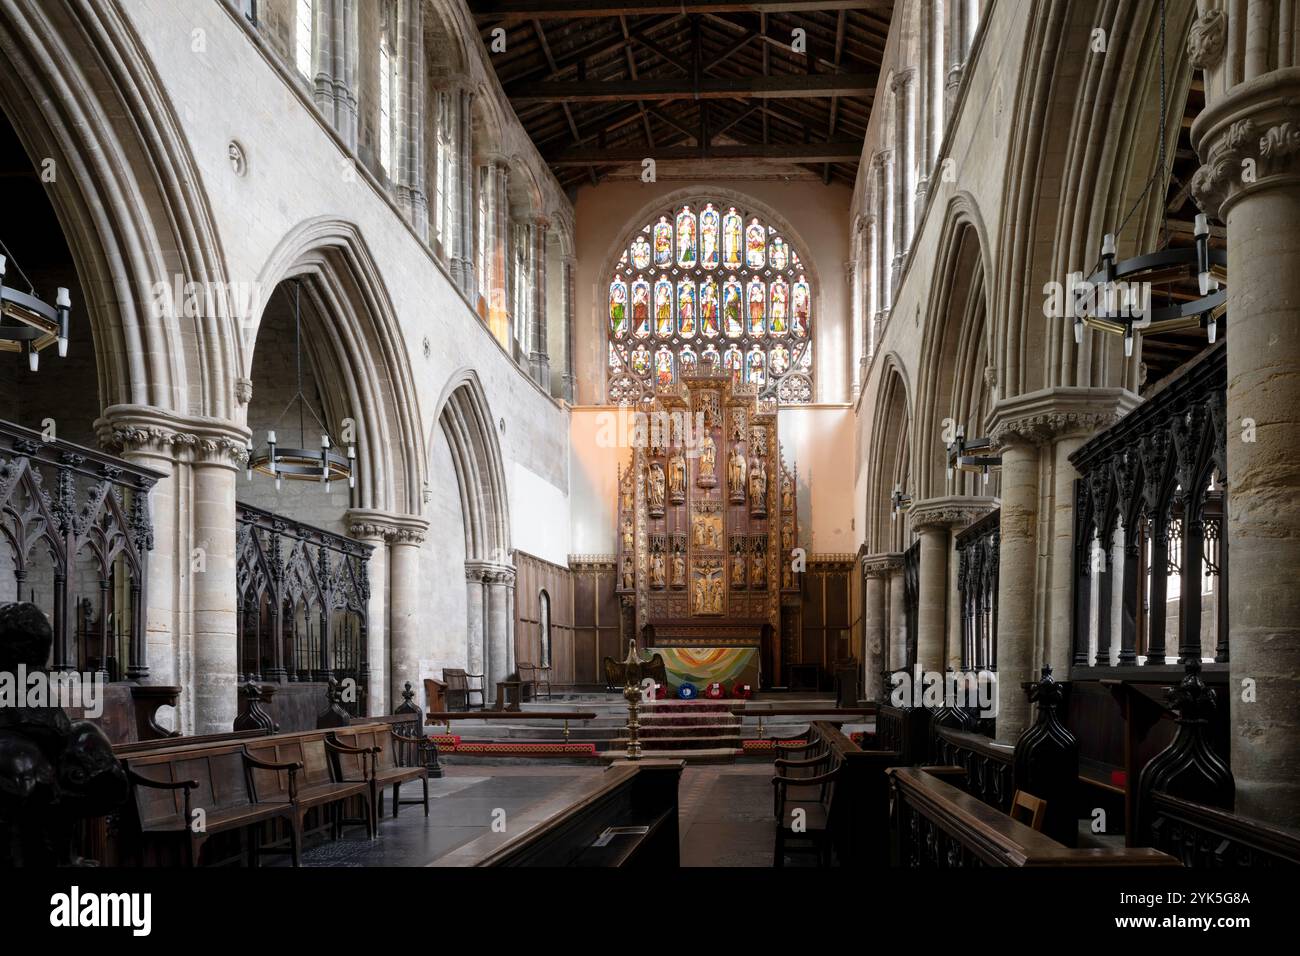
{"x":934,"y":824}
{"x":988,"y":764}
{"x":1204,"y":836}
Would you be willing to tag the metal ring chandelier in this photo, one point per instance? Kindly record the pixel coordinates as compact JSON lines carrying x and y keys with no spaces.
{"x":39,"y":324}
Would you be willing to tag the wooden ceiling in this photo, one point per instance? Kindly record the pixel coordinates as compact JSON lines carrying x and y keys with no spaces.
{"x":707,"y":89}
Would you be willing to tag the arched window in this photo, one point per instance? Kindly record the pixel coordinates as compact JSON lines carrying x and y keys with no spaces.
{"x":302,"y":37}
{"x":387,"y":85}
{"x":442,"y":168}
{"x":544,"y":622}
{"x":709,"y":286}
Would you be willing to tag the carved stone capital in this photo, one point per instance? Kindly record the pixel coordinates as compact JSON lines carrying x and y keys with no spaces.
{"x":124,"y":429}
{"x":367,"y":523}
{"x":951,"y":511}
{"x":882,"y":158}
{"x":1040,"y":418}
{"x":880,"y":565}
{"x":900,"y":80}
{"x":1248,"y":142}
{"x":489,"y":572}
{"x":1206,"y":39}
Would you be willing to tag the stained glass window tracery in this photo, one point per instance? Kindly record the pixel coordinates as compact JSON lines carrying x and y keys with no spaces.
{"x":708,"y":286}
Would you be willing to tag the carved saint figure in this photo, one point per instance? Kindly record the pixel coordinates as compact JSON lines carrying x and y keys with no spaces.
{"x":657,"y":570}
{"x":787,"y":535}
{"x":656,"y":490}
{"x":677,"y":477}
{"x":736,"y":474}
{"x":738,"y":569}
{"x":627,"y":533}
{"x":679,"y":570}
{"x":759,"y":572}
{"x":787,"y":493}
{"x":758,"y":484}
{"x":629,"y":577}
{"x":708,"y":458}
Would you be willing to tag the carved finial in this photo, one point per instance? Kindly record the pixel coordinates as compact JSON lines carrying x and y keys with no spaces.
{"x":1192,"y":701}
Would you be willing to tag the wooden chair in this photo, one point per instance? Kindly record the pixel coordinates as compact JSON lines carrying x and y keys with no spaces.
{"x":534,"y":677}
{"x":1028,"y":809}
{"x":460,"y":687}
{"x":803,"y":809}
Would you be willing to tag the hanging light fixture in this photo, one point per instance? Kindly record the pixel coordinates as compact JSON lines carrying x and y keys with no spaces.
{"x":898,"y":502}
{"x":38,"y":324}
{"x":302,"y":464}
{"x":961,"y":459}
{"x":1117,"y":298}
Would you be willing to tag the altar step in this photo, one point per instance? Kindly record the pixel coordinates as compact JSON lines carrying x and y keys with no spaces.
{"x":677,"y":744}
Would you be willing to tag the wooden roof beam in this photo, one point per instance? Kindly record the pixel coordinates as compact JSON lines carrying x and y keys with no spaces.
{"x":846,"y":151}
{"x":511,"y":10}
{"x":793,"y":86}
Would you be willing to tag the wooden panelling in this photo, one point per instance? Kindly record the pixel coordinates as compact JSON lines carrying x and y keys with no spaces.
{"x":596,"y":625}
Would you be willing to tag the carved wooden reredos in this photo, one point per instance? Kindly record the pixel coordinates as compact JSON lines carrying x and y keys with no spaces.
{"x":706,"y":512}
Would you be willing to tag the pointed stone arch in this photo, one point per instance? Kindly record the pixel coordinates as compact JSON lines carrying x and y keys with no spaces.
{"x":891,"y":456}
{"x":80,"y":92}
{"x":470,"y":429}
{"x":357,"y":343}
{"x":955,"y":348}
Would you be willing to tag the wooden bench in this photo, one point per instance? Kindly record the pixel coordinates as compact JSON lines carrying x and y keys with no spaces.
{"x":297,"y":771}
{"x":170,"y":785}
{"x":374,"y":754}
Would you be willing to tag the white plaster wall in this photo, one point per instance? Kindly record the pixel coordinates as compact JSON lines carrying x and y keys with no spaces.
{"x":593,"y":478}
{"x":816,"y":438}
{"x":442,"y":562}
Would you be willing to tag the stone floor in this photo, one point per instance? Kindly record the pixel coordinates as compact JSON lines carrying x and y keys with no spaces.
{"x":725,"y":816}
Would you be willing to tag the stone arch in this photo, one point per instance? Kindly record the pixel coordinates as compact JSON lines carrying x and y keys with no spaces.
{"x":80,"y":91}
{"x":467,"y":423}
{"x":954,"y":349}
{"x":890,"y":463}
{"x":360,"y":347}
{"x":444,"y":38}
{"x":1077,"y":193}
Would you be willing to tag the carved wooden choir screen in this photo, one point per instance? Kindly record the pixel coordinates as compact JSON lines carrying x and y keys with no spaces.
{"x":977,"y":584}
{"x":76,"y":527}
{"x":303,"y":595}
{"x":710,"y":287}
{"x":1149,"y":507}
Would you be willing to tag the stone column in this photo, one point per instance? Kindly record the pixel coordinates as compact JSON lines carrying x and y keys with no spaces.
{"x":476,"y":624}
{"x":566,"y":287}
{"x":936,"y":521}
{"x":869,"y":294}
{"x":1059,"y":646}
{"x":197,"y":532}
{"x":955,"y":45}
{"x":1251,"y":122}
{"x":903,"y":162}
{"x":897,"y":618}
{"x":924,"y":91}
{"x":497,"y":245}
{"x":877,"y":569}
{"x":462,"y":249}
{"x":539,"y":362}
{"x":1019,"y":426}
{"x":368,"y":527}
{"x":334,"y":65}
{"x":491,"y":621}
{"x":405,"y":645}
{"x":409,"y":168}
{"x":884,"y":230}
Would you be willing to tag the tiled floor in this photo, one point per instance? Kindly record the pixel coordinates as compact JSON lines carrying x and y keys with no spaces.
{"x":726,"y":817}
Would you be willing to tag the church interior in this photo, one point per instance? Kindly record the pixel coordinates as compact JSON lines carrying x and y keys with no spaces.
{"x":485,"y":433}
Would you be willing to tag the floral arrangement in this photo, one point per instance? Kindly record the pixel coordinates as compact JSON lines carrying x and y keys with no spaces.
{"x":688,"y":691}
{"x":715,"y":691}
{"x":742,"y":691}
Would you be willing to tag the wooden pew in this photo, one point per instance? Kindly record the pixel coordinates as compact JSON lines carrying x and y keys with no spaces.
{"x":374,"y":754}
{"x":935,"y":824}
{"x":297,"y":771}
{"x":170,"y":785}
